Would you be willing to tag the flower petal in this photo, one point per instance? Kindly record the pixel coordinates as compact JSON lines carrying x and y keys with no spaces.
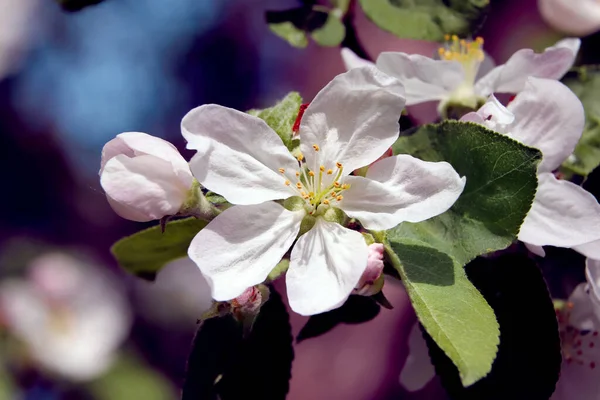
{"x":417,"y":370}
{"x":590,"y":249}
{"x":238,"y":155}
{"x":492,"y":115}
{"x":563,"y":215}
{"x":592,"y":273}
{"x":242,"y":245}
{"x":133,"y":144}
{"x":326,"y":264}
{"x":146,"y":184}
{"x":579,"y":18}
{"x":353,"y":120}
{"x":424,"y":78}
{"x":553,"y":63}
{"x":351,"y":60}
{"x":548,"y":116}
{"x":537,"y":250}
{"x":401,"y":188}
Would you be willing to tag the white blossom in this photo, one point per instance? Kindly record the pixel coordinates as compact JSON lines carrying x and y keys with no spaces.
{"x":71,"y":317}
{"x":349,"y":124}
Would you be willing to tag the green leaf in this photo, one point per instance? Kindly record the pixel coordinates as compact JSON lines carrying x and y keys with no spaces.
{"x":144,"y":253}
{"x":331,"y":34}
{"x":130,"y":379}
{"x":281,"y":116}
{"x":425,"y":19}
{"x":585,"y":83}
{"x":450,"y":308}
{"x":291,"y":34}
{"x":501,"y":184}
{"x":529,"y":357}
{"x":430,"y":255}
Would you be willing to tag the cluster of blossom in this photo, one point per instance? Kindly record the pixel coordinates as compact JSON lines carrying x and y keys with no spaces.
{"x":303,"y":201}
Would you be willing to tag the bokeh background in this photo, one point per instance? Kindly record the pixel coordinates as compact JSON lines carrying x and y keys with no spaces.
{"x":69,"y":82}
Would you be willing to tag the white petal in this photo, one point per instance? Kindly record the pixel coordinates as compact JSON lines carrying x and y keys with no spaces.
{"x":238,"y":155}
{"x":133,"y":144}
{"x":537,"y":250}
{"x":578,"y":18}
{"x":590,"y":249}
{"x":492,"y":115}
{"x":145,"y":184}
{"x":417,"y":370}
{"x":401,"y":188}
{"x":579,"y":379}
{"x":563,"y":215}
{"x":592,"y":273}
{"x":326,"y":264}
{"x":353,"y":120}
{"x":242,"y":245}
{"x":553,"y":63}
{"x":549,"y":117}
{"x":424,"y":78}
{"x":351,"y":60}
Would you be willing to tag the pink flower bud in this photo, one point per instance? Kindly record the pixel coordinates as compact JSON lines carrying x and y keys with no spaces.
{"x":144,"y":177}
{"x":369,"y":281}
{"x":248,"y":302}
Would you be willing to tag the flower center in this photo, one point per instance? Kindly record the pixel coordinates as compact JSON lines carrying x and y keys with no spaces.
{"x":469,"y":53}
{"x":320,"y":186}
{"x":578,"y":346}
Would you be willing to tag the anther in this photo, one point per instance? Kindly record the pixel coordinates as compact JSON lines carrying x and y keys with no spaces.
{"x":329,"y":171}
{"x":446,"y":37}
{"x":281,"y":170}
{"x":299,"y":185}
{"x":287,"y":183}
{"x":339,"y":198}
{"x":316,"y":147}
{"x":311,"y":173}
{"x":297,"y":173}
{"x":336,"y":184}
{"x":326,"y":202}
{"x":322,"y":168}
{"x":338,"y":164}
{"x":300,"y":157}
{"x":346,"y":186}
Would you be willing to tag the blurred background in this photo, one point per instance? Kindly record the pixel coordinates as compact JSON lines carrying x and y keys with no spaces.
{"x":70,"y":82}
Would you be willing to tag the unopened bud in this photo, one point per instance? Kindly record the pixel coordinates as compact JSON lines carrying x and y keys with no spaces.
{"x":371,"y":280}
{"x":248,"y":302}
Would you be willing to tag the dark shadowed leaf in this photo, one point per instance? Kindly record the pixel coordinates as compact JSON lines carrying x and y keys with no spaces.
{"x":356,"y":310}
{"x":76,"y":5}
{"x":224,"y":363}
{"x":528,"y":360}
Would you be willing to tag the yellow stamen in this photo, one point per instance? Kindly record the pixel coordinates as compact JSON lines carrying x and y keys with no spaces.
{"x":346,"y":186}
{"x":300,"y":157}
{"x":287,"y":183}
{"x":281,"y":170}
{"x":329,"y":171}
{"x":339,"y":198}
{"x":299,"y":185}
{"x":336,"y":184}
{"x":326,"y":202}
{"x":446,"y":37}
{"x":316,"y":147}
{"x":333,"y":194}
{"x":339,"y":165}
{"x":322,"y":168}
{"x":311,"y":173}
{"x":297,"y":173}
